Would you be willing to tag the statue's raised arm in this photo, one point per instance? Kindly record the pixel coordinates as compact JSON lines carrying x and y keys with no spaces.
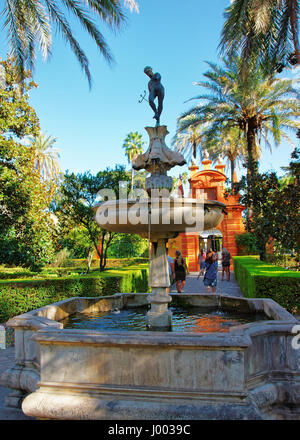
{"x":156,"y":90}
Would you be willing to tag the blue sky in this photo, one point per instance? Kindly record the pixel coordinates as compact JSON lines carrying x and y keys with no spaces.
{"x":173,"y":37}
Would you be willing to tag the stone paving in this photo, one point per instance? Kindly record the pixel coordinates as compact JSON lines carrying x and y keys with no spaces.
{"x":195,"y":285}
{"x":7,"y":361}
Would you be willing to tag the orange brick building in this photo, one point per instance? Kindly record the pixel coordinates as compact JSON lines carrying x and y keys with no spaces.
{"x":211,"y":183}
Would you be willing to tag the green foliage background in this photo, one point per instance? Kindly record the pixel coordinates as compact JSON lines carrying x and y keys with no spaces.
{"x":25,"y":225}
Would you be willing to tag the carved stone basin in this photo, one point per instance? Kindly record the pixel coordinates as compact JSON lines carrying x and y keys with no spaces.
{"x":167,"y":217}
{"x":250,"y":372}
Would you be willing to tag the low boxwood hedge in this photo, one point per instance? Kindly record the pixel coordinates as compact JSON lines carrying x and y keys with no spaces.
{"x":20,"y":296}
{"x":111,"y":262}
{"x":71,"y":266}
{"x":14,"y":274}
{"x":258,"y":279}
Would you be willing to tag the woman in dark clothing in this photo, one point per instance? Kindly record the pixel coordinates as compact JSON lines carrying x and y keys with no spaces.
{"x":180,"y":271}
{"x":226,"y":257}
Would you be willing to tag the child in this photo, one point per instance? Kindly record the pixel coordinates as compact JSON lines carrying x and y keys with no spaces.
{"x":202,"y":257}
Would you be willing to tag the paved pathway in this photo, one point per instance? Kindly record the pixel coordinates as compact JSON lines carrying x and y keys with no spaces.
{"x":7,"y":361}
{"x":195,"y":285}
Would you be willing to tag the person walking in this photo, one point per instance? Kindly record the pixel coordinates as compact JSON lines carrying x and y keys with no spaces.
{"x":180,"y":271}
{"x":211,"y":271}
{"x":201,"y":259}
{"x":171,"y":269}
{"x":226,"y":257}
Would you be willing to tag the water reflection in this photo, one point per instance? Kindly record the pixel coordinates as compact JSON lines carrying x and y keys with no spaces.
{"x":194,"y":319}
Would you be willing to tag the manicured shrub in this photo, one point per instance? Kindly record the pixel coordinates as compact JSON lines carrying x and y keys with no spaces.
{"x":68,"y":268}
{"x":284,"y":260}
{"x":17,"y":297}
{"x":246,"y":243}
{"x":111,"y":262}
{"x":14,"y":274}
{"x":258,"y":279}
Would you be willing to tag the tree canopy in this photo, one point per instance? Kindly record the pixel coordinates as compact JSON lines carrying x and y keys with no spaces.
{"x":267,"y":30}
{"x":79,"y":195}
{"x":25,"y":223}
{"x":29,"y":27}
{"x":260,"y":105}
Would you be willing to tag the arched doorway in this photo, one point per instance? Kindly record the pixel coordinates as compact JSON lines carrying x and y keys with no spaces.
{"x":211,"y":238}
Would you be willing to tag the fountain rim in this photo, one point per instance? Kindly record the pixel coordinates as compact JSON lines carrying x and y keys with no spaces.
{"x":174,"y":201}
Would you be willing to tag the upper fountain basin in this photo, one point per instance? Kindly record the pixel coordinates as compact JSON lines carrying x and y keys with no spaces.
{"x":165,"y":215}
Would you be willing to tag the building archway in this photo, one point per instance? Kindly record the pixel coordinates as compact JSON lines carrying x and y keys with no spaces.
{"x":211,"y":238}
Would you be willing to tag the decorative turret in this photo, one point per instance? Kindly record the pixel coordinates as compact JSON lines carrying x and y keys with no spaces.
{"x":220,"y":166}
{"x":206,"y":161}
{"x":193,"y":168}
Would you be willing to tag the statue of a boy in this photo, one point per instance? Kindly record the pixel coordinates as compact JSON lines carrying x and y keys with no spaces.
{"x":156,"y":90}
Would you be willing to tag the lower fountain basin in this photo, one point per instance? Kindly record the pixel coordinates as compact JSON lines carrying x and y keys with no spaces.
{"x":249,"y":372}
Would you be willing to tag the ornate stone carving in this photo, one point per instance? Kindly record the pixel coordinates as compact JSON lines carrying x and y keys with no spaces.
{"x":158,"y":159}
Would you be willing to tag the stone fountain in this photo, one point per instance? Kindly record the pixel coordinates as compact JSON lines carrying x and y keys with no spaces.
{"x":160,"y":218}
{"x":163,"y":217}
{"x":250,"y":372}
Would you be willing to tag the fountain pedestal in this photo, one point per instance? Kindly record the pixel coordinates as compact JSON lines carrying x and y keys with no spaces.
{"x":157,"y":160}
{"x":158,"y":218}
{"x":159,"y":317}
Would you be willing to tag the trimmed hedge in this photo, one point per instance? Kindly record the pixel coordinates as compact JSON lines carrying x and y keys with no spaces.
{"x":111,"y":262}
{"x":73,"y":267}
{"x":21,"y":296}
{"x":258,"y":279}
{"x":14,"y":274}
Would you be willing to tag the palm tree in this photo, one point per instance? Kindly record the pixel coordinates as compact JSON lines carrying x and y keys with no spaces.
{"x":188,"y":138}
{"x":228,"y":143}
{"x":29,"y":23}
{"x":258,"y":105}
{"x":184,"y":179}
{"x":46,"y":156}
{"x":225,"y":142}
{"x":265,"y":28}
{"x":133,"y":145}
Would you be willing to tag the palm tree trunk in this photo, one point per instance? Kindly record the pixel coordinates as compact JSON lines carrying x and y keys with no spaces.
{"x":251,"y":165}
{"x":194,"y":150}
{"x":232,"y":169}
{"x":132,"y":175}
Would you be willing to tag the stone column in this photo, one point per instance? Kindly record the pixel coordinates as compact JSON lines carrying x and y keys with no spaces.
{"x":159,"y":317}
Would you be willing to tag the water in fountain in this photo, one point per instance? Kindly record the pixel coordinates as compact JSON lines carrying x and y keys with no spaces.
{"x":193,"y":319}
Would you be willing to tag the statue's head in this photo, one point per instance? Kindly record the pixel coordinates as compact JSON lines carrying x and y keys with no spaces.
{"x":148,"y":71}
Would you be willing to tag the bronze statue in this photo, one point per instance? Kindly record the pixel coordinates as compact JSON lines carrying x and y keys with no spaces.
{"x":156,"y":90}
